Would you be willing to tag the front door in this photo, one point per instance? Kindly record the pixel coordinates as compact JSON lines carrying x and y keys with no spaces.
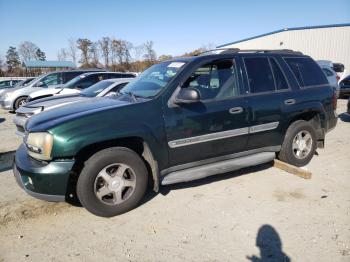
{"x":215,"y":126}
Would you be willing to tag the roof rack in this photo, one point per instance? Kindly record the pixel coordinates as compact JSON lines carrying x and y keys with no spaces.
{"x":237,"y":50}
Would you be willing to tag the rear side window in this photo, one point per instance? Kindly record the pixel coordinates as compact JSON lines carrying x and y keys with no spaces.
{"x":306,"y":71}
{"x":280,"y":80}
{"x":70,"y":75}
{"x":259,"y":74}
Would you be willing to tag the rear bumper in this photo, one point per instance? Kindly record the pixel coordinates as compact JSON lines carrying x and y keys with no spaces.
{"x":46,"y":181}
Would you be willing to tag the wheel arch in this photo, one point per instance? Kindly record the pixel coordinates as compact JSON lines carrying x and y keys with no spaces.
{"x":15,"y":100}
{"x":137,"y":144}
{"x":316,"y":118}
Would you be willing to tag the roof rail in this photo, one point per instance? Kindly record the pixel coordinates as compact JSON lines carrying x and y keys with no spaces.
{"x":237,"y":50}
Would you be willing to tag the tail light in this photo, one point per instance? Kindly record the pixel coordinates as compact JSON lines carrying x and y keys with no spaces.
{"x":337,"y":77}
{"x":334,"y":102}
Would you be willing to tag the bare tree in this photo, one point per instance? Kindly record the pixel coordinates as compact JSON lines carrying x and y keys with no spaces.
{"x":138,"y":52}
{"x":104,"y":44}
{"x":84,"y":45}
{"x":62,"y":54}
{"x":27,"y":50}
{"x":72,"y":49}
{"x":150,"y":55}
{"x":94,"y":54}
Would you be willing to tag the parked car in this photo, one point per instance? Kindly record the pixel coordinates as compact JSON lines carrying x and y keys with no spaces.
{"x":348,"y":111}
{"x":327,"y":68}
{"x":4,"y":85}
{"x":78,"y":83}
{"x":13,"y":98}
{"x":8,"y":83}
{"x":344,"y":87}
{"x":24,"y":82}
{"x":100,"y":89}
{"x":180,"y":120}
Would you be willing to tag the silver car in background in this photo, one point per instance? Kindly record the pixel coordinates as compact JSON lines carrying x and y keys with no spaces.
{"x":108,"y":87}
{"x":13,"y":98}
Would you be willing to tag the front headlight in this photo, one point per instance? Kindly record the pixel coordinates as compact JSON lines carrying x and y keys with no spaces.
{"x":39,"y":145}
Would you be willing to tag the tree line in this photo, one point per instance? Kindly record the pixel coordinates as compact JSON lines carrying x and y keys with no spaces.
{"x":108,"y":52}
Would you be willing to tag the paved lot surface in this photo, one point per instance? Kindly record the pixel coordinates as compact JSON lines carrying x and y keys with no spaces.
{"x":256,"y":214}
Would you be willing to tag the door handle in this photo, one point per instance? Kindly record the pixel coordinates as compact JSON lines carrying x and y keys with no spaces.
{"x":236,"y":110}
{"x":289,"y":102}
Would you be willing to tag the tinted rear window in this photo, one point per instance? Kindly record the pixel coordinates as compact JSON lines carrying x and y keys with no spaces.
{"x":306,"y":71}
{"x":280,"y":80}
{"x":259,"y":74}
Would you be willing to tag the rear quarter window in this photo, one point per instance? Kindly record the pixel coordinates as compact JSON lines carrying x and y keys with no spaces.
{"x":306,"y":71}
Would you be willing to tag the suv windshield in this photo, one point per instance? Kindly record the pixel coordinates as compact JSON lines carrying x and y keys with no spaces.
{"x":97,"y":88}
{"x":153,"y":80}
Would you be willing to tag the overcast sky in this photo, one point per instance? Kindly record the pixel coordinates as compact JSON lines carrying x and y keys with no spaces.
{"x":175,"y":26}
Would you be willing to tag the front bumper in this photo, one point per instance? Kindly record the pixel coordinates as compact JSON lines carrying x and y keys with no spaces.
{"x":20,"y":122}
{"x":46,"y":181}
{"x":6,"y":104}
{"x":344,"y":91}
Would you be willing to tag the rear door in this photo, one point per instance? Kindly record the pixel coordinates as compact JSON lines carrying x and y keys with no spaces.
{"x":266,"y":84}
{"x":215,"y":126}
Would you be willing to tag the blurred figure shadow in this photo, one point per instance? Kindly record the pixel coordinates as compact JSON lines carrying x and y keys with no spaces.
{"x":2,"y":119}
{"x":344,"y":117}
{"x":270,"y":245}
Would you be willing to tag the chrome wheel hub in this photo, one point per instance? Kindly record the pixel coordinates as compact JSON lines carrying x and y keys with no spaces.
{"x":302,"y":144}
{"x":115,"y":183}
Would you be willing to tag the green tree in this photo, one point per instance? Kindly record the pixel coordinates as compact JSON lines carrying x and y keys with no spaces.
{"x":12,"y":58}
{"x":40,"y":55}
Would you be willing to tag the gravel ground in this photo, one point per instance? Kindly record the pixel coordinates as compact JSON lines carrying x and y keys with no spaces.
{"x":257,"y":214}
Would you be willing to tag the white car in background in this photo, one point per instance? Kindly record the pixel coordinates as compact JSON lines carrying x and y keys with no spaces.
{"x":77,"y":84}
{"x":108,"y":87}
{"x":333,"y":78}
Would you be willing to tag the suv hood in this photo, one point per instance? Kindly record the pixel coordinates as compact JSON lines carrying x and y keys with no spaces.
{"x":50,"y":118}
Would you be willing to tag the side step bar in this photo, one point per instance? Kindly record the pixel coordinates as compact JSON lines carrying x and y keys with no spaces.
{"x":217,"y":168}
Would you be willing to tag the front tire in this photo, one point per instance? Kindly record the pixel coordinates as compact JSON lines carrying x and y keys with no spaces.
{"x":299,"y":144}
{"x":113,"y":181}
{"x":20,"y":102}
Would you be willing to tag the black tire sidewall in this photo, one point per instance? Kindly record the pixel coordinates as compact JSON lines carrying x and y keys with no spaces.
{"x":18,"y":101}
{"x":287,"y":154}
{"x":86,"y":181}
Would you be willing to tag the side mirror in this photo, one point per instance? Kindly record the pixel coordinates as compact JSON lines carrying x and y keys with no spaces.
{"x":187,"y":95}
{"x":39,"y":84}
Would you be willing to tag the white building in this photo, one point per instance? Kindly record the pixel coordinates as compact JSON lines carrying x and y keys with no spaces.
{"x":325,"y":42}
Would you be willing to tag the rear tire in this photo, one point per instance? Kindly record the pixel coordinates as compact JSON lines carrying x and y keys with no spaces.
{"x":113,"y":181}
{"x":299,"y":144}
{"x":20,"y":102}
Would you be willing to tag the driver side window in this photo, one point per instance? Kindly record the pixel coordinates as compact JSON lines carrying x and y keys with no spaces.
{"x":217,"y":80}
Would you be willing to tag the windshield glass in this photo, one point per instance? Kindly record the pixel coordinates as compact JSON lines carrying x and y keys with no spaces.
{"x":153,"y":80}
{"x":71,"y":83}
{"x":97,"y":88}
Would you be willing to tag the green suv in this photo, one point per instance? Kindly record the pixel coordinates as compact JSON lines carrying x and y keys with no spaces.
{"x":180,"y":120}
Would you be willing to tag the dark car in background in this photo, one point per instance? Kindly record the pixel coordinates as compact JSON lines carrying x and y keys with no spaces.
{"x":344,"y":85}
{"x":78,"y":83}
